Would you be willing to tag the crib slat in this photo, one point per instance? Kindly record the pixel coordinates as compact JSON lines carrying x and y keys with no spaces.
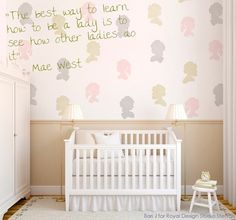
{"x":91,"y":169}
{"x":137,"y":141}
{"x":84,"y":168}
{"x":154,"y":169}
{"x":119,"y":170}
{"x":105,"y":169}
{"x":147,"y":168}
{"x":161,"y":169}
{"x":143,"y":138}
{"x":149,"y":139}
{"x":140,"y":169}
{"x":161,"y":139}
{"x":131,"y":138}
{"x":125,"y":138}
{"x":77,"y":168}
{"x":98,"y":169}
{"x":112,"y":169}
{"x":168,"y":168}
{"x":143,"y":141}
{"x":133,"y":168}
{"x":126,"y":169}
{"x":175,"y":168}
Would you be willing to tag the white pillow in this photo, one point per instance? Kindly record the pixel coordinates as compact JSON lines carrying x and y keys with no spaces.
{"x":109,"y":139}
{"x":84,"y":137}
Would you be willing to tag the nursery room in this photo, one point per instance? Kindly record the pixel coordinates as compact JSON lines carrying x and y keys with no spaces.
{"x":117,"y":109}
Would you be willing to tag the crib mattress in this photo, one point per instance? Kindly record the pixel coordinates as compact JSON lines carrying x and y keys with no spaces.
{"x":137,"y":165}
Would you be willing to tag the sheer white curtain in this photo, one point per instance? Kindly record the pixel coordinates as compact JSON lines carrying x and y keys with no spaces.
{"x":229,"y":78}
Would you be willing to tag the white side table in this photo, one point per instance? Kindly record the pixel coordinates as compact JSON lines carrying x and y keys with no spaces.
{"x":208,"y":203}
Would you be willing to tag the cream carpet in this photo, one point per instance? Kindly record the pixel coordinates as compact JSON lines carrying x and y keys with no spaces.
{"x":46,"y":208}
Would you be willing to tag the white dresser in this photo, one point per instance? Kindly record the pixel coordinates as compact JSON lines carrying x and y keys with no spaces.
{"x":14,"y":137}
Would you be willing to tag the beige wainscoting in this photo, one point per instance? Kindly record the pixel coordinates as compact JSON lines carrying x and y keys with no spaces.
{"x":202,"y":141}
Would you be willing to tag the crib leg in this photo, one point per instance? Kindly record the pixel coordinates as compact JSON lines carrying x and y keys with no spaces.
{"x":67,"y":201}
{"x":178,"y":202}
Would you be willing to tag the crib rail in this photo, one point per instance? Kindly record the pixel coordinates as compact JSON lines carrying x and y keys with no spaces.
{"x":133,"y":168}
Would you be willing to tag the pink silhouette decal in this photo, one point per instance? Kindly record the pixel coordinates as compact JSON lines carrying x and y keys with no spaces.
{"x":124,"y":68}
{"x":86,"y":13}
{"x":187,"y":26}
{"x":25,"y":50}
{"x":216,"y":49}
{"x":92,"y":91}
{"x":191,"y":107}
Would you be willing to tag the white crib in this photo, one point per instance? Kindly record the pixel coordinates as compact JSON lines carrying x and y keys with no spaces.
{"x":148,"y":163}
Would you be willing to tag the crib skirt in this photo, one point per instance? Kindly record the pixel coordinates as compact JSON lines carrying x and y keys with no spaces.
{"x":123,"y":203}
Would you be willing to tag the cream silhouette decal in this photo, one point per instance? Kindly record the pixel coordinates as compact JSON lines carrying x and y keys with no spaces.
{"x":93,"y":49}
{"x":25,"y":51}
{"x":154,"y":13}
{"x":190,"y":72}
{"x":158,"y":49}
{"x":158,"y":94}
{"x":191,"y":107}
{"x":215,"y":49}
{"x":92,"y":91}
{"x":25,"y":10}
{"x":218,"y":93}
{"x":63,"y":70}
{"x":124,"y":69}
{"x":127,"y":105}
{"x":122,"y":24}
{"x":60,"y":21}
{"x":33,"y":91}
{"x":61,"y":104}
{"x":216,"y":12}
{"x":187,"y":26}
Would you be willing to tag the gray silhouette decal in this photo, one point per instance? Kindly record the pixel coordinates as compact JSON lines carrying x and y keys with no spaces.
{"x":157,"y":49}
{"x":122,"y":24}
{"x":25,"y":10}
{"x":216,"y":11}
{"x":63,"y":70}
{"x":33,"y":91}
{"x":218,"y":92}
{"x":127,"y":105}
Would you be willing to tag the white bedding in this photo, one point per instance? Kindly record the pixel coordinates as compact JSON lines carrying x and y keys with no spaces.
{"x":109,"y":165}
{"x":123,"y":203}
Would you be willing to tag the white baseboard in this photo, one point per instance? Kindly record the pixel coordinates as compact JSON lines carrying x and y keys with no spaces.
{"x":56,"y":190}
{"x":47,"y":190}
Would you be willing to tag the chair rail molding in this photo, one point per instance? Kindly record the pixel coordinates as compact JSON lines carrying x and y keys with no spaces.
{"x":229,"y":80}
